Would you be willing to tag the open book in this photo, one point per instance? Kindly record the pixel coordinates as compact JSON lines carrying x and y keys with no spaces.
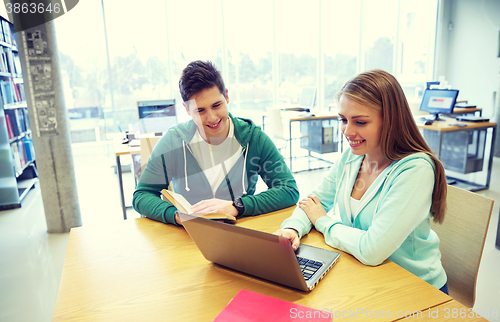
{"x":184,"y":206}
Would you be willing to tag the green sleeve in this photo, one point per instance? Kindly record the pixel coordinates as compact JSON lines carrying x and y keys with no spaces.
{"x":282,"y":189}
{"x":154,"y":179}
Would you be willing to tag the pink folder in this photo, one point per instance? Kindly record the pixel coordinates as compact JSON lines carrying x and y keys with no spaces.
{"x":248,"y":306}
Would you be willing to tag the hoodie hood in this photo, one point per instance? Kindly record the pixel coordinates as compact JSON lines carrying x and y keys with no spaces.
{"x":243,"y":129}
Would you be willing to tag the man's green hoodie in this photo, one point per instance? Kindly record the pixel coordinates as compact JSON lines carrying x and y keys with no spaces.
{"x":172,"y":161}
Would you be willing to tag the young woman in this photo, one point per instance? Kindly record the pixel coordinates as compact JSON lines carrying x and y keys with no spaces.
{"x":377,"y":201}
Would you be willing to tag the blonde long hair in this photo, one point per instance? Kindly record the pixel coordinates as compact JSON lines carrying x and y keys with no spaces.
{"x":400,"y":136}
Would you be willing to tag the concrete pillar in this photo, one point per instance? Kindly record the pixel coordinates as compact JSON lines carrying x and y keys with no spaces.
{"x":50,"y":126}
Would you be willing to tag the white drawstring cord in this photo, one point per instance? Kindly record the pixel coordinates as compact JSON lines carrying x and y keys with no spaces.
{"x":185,"y":166}
{"x":244,"y":171}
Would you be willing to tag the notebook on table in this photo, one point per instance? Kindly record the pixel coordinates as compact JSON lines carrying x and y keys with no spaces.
{"x":260,"y":254}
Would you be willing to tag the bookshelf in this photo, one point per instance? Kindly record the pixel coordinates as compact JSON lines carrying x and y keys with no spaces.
{"x":18,"y":172}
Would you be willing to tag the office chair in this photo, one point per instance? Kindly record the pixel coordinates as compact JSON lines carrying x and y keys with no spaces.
{"x":462,"y":236}
{"x":278,"y":133}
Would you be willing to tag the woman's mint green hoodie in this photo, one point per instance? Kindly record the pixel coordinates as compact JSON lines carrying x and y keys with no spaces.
{"x":172,"y":161}
{"x":393,"y":216}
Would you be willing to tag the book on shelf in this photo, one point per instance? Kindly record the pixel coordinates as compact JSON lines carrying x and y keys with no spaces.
{"x":22,"y":153}
{"x":9,"y":60}
{"x":9,"y":126}
{"x":20,"y":119}
{"x":4,"y":63}
{"x":30,"y":151}
{"x":12,"y":35}
{"x":184,"y":206}
{"x":248,"y":306}
{"x":6,"y":31}
{"x":17,"y":63}
{"x":16,"y":91}
{"x":8,"y":92}
{"x":2,"y":37}
{"x":15,"y":153}
{"x":20,"y":87}
{"x":27,"y":120}
{"x":13,"y":91}
{"x":12,"y":116}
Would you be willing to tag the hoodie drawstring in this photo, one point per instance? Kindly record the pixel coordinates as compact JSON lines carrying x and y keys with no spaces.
{"x":244,"y":171}
{"x":185,"y":166}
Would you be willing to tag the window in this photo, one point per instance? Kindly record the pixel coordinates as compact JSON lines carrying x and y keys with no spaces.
{"x":340,"y":43}
{"x":249,"y":57}
{"x":267,"y":54}
{"x":297,"y":43}
{"x":417,"y":30}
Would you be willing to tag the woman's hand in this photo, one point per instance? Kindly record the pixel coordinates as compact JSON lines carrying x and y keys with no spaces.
{"x":215,"y":205}
{"x":313,"y":208}
{"x":291,"y":234}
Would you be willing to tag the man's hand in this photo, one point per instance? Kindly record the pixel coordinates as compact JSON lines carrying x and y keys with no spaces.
{"x":291,"y":234}
{"x":215,"y":205}
{"x":178,"y":219}
{"x":313,"y":208}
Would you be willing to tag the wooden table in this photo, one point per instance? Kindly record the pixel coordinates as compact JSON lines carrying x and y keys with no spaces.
{"x":449,"y":311}
{"x":142,"y":270}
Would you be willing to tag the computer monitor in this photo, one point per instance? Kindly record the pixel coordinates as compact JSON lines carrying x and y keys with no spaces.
{"x":308,"y":97}
{"x":156,"y":116}
{"x":439,"y":101}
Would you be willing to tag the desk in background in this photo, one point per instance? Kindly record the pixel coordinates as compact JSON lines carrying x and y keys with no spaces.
{"x":466,"y":110}
{"x":145,"y":270}
{"x":462,"y":150}
{"x":138,"y":149}
{"x":123,"y":149}
{"x":314,"y":126}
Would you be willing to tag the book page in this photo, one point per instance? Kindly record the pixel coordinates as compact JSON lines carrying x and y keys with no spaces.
{"x":178,"y":201}
{"x":184,"y":206}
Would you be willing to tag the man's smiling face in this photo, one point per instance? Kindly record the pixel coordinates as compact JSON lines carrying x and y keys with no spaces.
{"x":208,"y":109}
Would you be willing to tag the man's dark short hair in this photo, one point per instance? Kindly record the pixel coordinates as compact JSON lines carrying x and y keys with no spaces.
{"x":198,"y":76}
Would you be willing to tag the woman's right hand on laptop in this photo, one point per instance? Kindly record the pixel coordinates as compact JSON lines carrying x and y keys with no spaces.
{"x":291,"y":234}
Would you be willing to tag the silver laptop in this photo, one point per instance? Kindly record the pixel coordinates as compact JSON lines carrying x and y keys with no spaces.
{"x":260,"y":254}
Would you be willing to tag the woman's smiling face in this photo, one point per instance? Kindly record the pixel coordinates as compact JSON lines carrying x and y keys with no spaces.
{"x":361,"y":125}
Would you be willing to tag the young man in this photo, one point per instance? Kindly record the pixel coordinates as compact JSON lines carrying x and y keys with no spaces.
{"x":213,"y":160}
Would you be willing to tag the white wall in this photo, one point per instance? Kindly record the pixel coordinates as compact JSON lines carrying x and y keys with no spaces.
{"x":468,"y":39}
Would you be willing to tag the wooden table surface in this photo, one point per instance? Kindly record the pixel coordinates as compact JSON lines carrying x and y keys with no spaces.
{"x":449,"y":311}
{"x":142,"y":270}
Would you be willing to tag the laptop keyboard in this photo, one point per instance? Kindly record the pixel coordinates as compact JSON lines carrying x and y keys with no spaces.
{"x":308,"y":267}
